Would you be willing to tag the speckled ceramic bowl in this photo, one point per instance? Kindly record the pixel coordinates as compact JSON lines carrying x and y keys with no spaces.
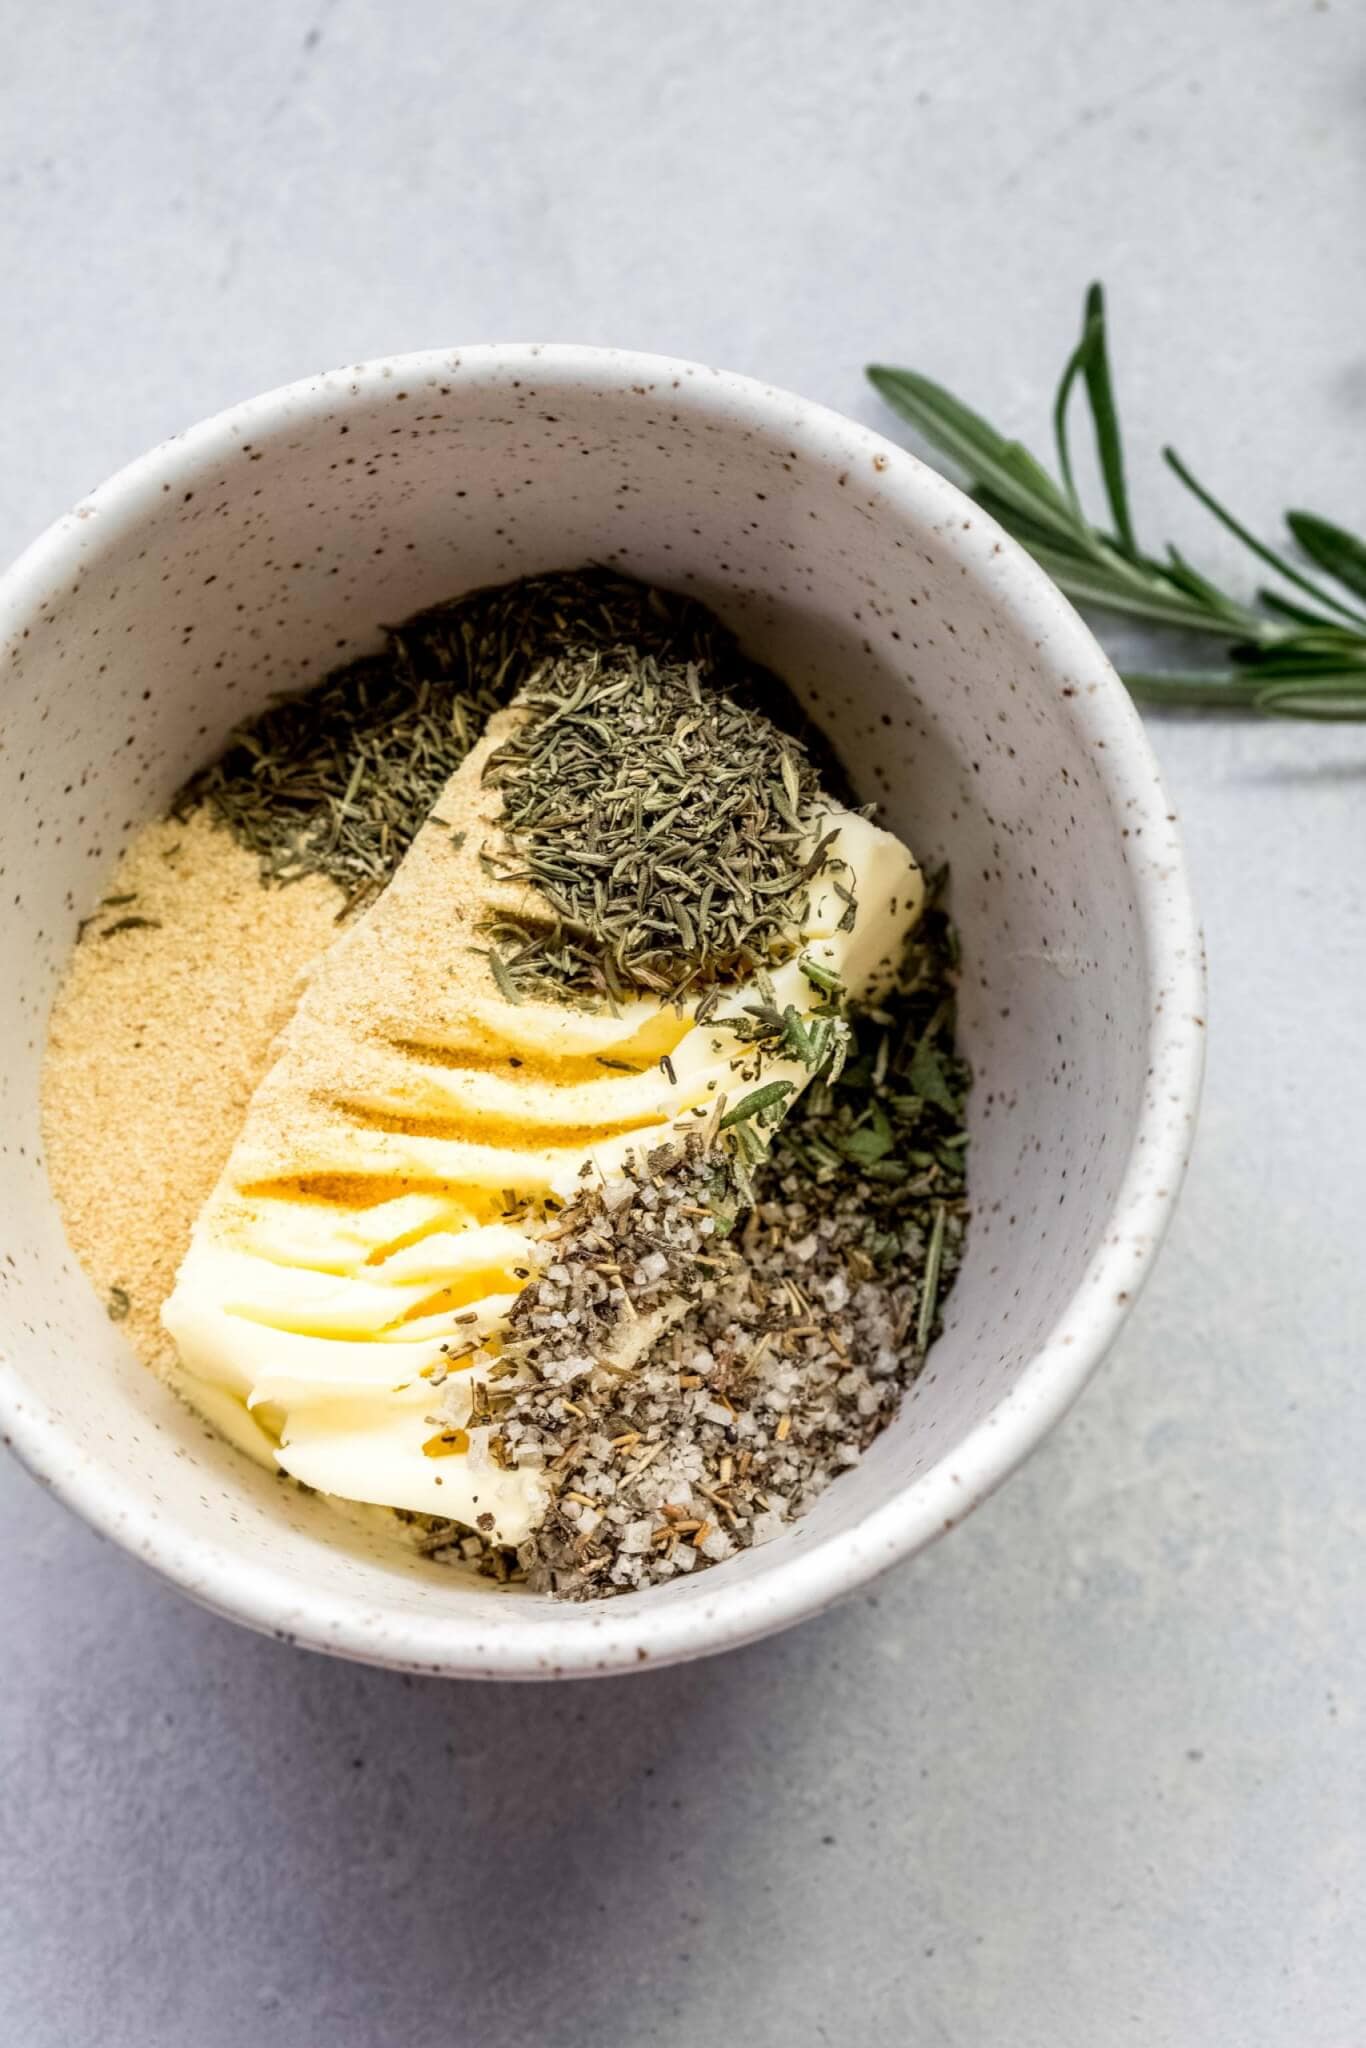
{"x":254,"y":551}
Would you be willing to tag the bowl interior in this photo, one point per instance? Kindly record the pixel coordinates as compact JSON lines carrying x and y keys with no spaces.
{"x":253,"y":553}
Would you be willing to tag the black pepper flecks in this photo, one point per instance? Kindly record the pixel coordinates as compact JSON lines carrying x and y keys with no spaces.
{"x":789,"y":1341}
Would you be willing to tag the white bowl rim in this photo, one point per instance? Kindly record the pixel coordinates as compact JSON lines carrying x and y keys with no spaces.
{"x":207,"y":1568}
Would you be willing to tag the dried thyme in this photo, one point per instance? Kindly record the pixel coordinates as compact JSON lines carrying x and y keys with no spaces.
{"x":337,"y":779}
{"x":672,"y":830}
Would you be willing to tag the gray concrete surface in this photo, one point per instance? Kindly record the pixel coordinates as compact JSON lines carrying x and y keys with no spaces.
{"x":1091,"y":1771}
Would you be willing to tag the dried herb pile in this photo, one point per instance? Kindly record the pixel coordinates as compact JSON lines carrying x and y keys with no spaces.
{"x":337,"y":779}
{"x":671,"y":829}
{"x":894,"y":1115}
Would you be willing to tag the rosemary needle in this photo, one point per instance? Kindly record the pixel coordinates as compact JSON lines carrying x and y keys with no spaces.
{"x":1283,"y":657}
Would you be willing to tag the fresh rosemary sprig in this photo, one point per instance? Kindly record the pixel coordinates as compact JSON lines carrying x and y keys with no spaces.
{"x":1289,"y":658}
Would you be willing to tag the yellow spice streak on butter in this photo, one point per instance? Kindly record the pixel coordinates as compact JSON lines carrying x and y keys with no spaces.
{"x":356,"y":1245}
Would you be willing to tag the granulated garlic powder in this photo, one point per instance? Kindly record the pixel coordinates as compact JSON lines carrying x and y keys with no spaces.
{"x":160,"y":1031}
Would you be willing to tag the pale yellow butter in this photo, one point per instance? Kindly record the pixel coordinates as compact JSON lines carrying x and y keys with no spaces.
{"x":358,"y":1234}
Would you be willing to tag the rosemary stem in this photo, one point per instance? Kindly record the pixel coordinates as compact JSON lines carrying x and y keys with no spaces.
{"x":1287,"y":660}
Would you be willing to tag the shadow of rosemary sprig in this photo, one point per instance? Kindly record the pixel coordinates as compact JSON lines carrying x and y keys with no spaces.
{"x":1283,"y":656}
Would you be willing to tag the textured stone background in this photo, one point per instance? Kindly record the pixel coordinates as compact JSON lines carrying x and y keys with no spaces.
{"x":1091,"y":1771}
